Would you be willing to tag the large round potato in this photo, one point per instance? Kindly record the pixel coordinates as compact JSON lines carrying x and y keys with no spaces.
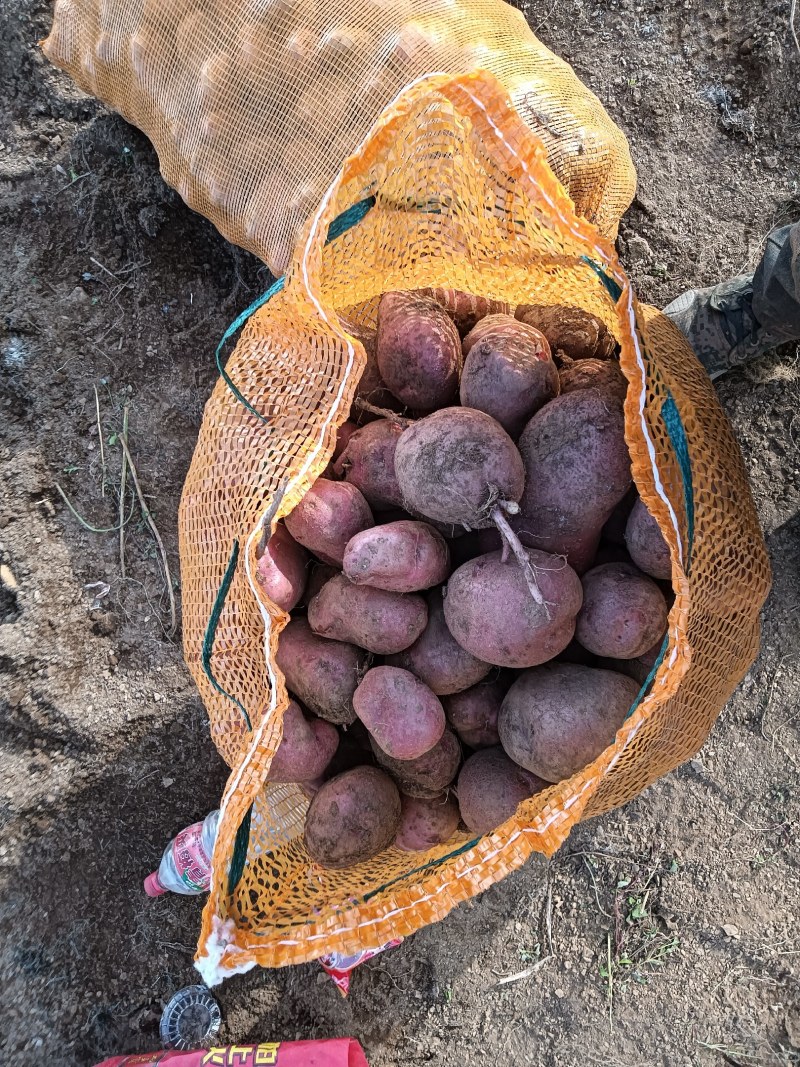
{"x":624,"y":613}
{"x":428,"y":775}
{"x":558,"y":718}
{"x":491,"y":787}
{"x":491,"y":613}
{"x":352,"y":818}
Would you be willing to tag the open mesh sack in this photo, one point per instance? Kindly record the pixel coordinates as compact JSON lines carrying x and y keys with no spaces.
{"x":253,"y":105}
{"x":450,"y":187}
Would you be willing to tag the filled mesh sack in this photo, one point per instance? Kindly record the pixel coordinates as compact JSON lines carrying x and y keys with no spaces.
{"x":450,"y":189}
{"x":297,"y":125}
{"x":254,"y":106}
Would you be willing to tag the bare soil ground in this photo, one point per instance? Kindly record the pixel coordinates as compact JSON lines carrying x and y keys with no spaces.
{"x":672,"y":932}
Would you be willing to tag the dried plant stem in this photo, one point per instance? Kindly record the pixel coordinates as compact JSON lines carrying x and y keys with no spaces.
{"x":86,"y":525}
{"x":383,"y":413}
{"x":122,"y":487}
{"x":102,"y":447}
{"x":516,"y":546}
{"x":151,"y":523}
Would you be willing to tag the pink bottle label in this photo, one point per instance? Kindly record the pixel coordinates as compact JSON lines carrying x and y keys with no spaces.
{"x":190,"y":859}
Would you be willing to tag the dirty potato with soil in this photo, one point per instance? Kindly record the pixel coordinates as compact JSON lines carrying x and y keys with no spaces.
{"x":445,"y":629}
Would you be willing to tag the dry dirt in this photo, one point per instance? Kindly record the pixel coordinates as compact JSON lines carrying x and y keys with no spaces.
{"x":108,"y":282}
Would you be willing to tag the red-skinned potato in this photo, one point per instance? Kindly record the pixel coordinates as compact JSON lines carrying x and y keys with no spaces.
{"x":368,"y":463}
{"x":306,"y":749}
{"x":343,"y":435}
{"x":646,"y":544}
{"x":454,"y":465}
{"x":577,"y":469}
{"x":402,"y":714}
{"x":639,"y":668}
{"x":322,"y":674}
{"x":424,"y":824}
{"x":557,"y":718}
{"x":375,"y":619}
{"x":473,"y":713}
{"x":403,"y":557}
{"x":327,"y":517}
{"x":490,"y":612}
{"x":614,"y":528}
{"x":436,"y":658}
{"x":624,"y":612}
{"x":282,"y":570}
{"x":371,"y":387}
{"x":352,"y":818}
{"x":418,"y":351}
{"x":571,"y":330}
{"x":508,"y":372}
{"x":428,"y":775}
{"x":490,"y":789}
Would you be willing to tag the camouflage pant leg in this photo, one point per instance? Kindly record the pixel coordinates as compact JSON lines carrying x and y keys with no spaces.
{"x":776,"y":284}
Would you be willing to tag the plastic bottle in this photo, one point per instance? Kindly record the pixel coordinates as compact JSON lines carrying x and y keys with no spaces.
{"x":186,"y":864}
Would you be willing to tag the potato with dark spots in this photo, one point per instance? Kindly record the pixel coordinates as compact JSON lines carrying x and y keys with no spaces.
{"x":403,"y":557}
{"x":352,"y":818}
{"x":646,"y":544}
{"x":624,"y":612}
{"x":557,"y":718}
{"x":327,"y":517}
{"x":455,"y":465}
{"x":322,"y":674}
{"x":428,"y":775}
{"x":473,"y":712}
{"x":403,"y":715}
{"x":367,"y":462}
{"x":437,"y":658}
{"x":490,"y":789}
{"x":418,"y":351}
{"x":306,"y":748}
{"x":425,"y":824}
{"x":490,"y":612}
{"x":375,"y":619}
{"x":508,"y":372}
{"x":577,"y":469}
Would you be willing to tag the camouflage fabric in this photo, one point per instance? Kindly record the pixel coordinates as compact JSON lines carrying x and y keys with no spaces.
{"x":738,"y":320}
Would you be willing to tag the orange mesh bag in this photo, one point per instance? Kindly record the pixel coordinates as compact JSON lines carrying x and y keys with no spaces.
{"x":253,"y":105}
{"x":450,"y":189}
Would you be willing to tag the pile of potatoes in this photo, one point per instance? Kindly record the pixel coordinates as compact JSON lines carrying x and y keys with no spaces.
{"x":477,"y":592}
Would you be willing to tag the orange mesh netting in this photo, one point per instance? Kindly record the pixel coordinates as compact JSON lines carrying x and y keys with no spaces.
{"x":450,"y":188}
{"x":253,"y":105}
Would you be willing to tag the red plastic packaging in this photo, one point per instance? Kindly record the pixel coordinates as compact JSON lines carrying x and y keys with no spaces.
{"x":340,"y":967}
{"x":339,"y":1052}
